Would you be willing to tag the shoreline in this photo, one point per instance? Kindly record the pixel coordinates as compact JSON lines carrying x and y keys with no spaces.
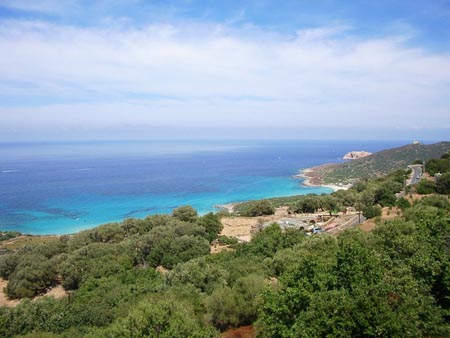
{"x":229,"y":207}
{"x":312,"y":177}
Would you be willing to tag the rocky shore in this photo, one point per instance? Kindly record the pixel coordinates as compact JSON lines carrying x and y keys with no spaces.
{"x":314,"y":176}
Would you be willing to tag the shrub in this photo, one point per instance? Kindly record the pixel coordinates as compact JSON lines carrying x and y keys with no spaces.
{"x":185,"y":214}
{"x":443,"y":184}
{"x":371,"y":211}
{"x":425,"y":187}
{"x":403,"y":203}
{"x":258,"y":208}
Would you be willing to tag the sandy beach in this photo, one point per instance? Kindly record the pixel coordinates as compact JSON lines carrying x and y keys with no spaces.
{"x":313,"y":177}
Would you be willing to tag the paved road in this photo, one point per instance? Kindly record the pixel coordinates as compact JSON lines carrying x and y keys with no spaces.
{"x":358,"y":219}
{"x":416,"y":173}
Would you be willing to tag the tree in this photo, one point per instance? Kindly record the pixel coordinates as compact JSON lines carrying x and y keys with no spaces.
{"x":425,"y":187}
{"x":258,"y":208}
{"x":307,"y":204}
{"x":164,"y":318}
{"x":212,"y":224}
{"x":360,"y":185}
{"x":32,"y":276}
{"x":443,"y":184}
{"x":168,"y":248}
{"x":403,"y":203}
{"x":199,"y":273}
{"x":438,"y":201}
{"x":267,"y":242}
{"x":237,"y":305}
{"x":371,"y":211}
{"x":385,"y":194}
{"x":435,"y":166}
{"x":222,"y":308}
{"x":185,"y":214}
{"x":329,"y":203}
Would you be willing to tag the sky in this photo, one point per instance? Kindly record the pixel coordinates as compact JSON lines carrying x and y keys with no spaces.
{"x":130,"y":69}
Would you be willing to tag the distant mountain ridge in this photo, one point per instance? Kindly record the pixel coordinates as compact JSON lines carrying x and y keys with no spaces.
{"x":377,"y":164}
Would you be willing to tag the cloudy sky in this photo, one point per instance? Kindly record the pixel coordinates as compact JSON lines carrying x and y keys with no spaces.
{"x":79,"y":69}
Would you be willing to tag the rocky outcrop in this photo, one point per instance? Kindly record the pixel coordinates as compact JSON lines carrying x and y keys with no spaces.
{"x":354,"y":155}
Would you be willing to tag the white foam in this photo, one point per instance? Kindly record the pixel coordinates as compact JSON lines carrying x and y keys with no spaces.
{"x":10,"y":171}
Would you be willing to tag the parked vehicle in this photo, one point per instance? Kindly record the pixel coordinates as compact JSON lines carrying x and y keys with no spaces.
{"x":317,"y":230}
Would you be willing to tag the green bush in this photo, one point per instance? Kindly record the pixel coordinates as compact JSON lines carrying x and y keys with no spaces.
{"x":425,"y":187}
{"x":435,"y":166}
{"x":403,"y":203}
{"x":212,"y":224}
{"x":437,"y":201}
{"x":306,"y":204}
{"x":371,"y":211}
{"x":443,"y":184}
{"x":163,"y":318}
{"x":257,"y":208}
{"x":185,"y":214}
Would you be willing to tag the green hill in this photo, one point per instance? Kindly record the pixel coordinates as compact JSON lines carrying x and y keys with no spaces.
{"x":380,"y":163}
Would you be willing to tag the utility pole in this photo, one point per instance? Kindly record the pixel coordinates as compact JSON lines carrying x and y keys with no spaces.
{"x":404,"y":184}
{"x":359,"y":212}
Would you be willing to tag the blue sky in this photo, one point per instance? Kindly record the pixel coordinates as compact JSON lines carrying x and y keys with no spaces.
{"x":73,"y":69}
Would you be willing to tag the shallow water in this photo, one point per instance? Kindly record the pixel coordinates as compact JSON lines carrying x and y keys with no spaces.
{"x":56,"y":188}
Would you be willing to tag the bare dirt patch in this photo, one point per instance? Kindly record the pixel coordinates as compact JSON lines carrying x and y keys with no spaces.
{"x":217,"y":248}
{"x":240,"y":332}
{"x":56,"y":292}
{"x":239,"y":227}
{"x":4,"y":300}
{"x":243,"y":228}
{"x":368,"y":225}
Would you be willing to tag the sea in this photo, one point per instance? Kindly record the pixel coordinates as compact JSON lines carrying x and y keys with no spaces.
{"x":65,"y":187}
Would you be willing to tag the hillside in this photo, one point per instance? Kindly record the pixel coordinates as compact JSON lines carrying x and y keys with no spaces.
{"x":159,"y":277}
{"x":377,"y":164}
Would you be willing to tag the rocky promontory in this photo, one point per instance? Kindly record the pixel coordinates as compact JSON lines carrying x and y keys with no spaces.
{"x":354,"y":155}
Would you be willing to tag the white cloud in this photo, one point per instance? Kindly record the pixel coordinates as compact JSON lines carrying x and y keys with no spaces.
{"x":41,"y":6}
{"x":314,"y":34}
{"x":210,"y":74}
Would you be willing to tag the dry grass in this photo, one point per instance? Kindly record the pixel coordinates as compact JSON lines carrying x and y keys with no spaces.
{"x":18,"y":242}
{"x":217,"y":248}
{"x":386,"y":214}
{"x":243,"y":228}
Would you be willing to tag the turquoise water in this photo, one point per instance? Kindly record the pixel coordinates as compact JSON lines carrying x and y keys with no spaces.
{"x":57,"y":188}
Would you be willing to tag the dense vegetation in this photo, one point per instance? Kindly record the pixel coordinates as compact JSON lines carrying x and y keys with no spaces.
{"x":392,"y":282}
{"x":383,"y":162}
{"x":440,"y":170}
{"x":364,"y":195}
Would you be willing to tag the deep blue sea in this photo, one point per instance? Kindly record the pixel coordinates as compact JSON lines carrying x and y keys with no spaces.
{"x":57,"y":188}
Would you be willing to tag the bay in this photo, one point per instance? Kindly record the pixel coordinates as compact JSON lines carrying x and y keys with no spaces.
{"x":64,"y":187}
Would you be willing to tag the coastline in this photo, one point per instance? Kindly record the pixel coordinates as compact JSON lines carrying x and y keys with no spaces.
{"x":313,"y":177}
{"x":229,"y":207}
